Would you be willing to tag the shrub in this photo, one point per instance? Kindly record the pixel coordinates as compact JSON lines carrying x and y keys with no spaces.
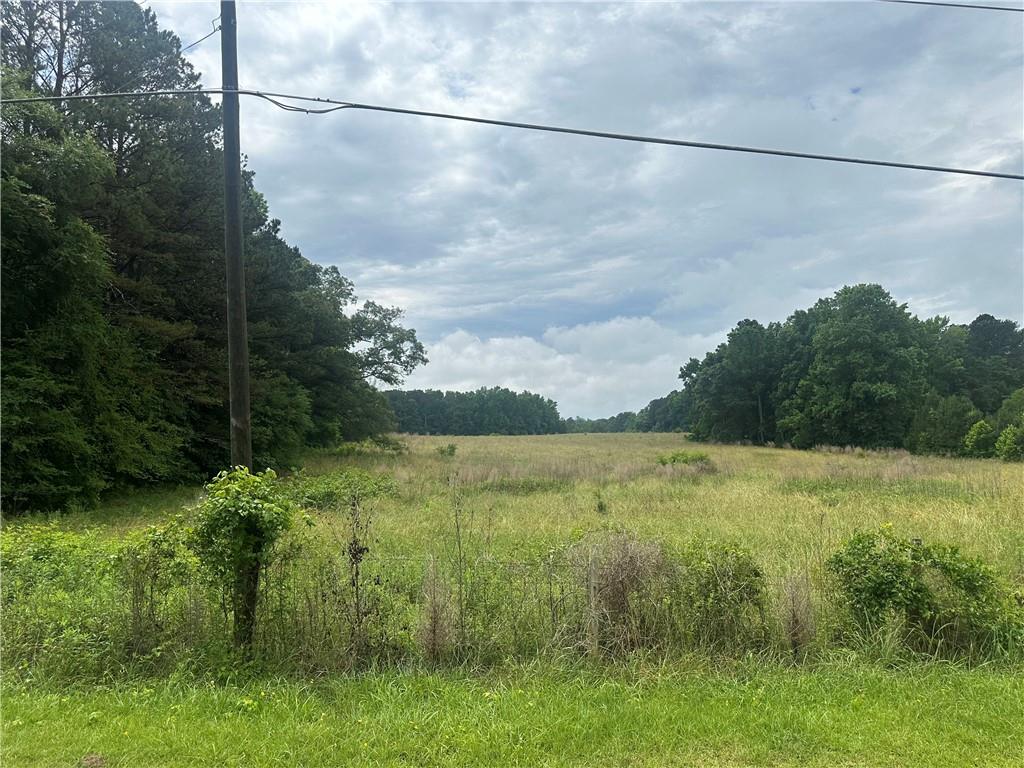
{"x":688,"y":458}
{"x":337,"y":490}
{"x":626,"y":581}
{"x":948,"y":602}
{"x":980,"y":440}
{"x":234,"y":527}
{"x":721,"y":592}
{"x":1010,"y":445}
{"x":448,"y":451}
{"x":707,"y":595}
{"x":379,"y":444}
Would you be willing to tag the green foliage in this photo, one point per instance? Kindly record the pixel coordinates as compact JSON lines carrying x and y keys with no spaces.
{"x":856,"y":369}
{"x":734,"y":388}
{"x":950,"y":603}
{"x":494,"y":411}
{"x":722,"y":594}
{"x":622,"y":422}
{"x":940,"y":424}
{"x":1010,"y":445}
{"x":376,"y":445}
{"x":448,"y":451}
{"x":338,"y":490}
{"x":980,"y":440}
{"x":685,"y":457}
{"x":115,"y":364}
{"x":665,"y":414}
{"x":1011,"y":411}
{"x":237,"y":522}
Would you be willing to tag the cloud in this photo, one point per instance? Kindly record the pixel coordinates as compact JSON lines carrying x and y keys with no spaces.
{"x":542,"y":248}
{"x":592,"y":370}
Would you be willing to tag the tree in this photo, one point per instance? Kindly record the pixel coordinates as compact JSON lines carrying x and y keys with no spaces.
{"x":113,"y":278}
{"x":865,"y":376}
{"x":994,"y":359}
{"x":80,"y":409}
{"x":1010,"y":445}
{"x":494,"y":411}
{"x":732,"y":386}
{"x":1011,"y":411}
{"x":941,"y":424}
{"x":980,"y":440}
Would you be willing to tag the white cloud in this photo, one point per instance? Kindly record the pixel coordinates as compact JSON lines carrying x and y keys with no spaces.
{"x":588,"y":269}
{"x":592,"y":370}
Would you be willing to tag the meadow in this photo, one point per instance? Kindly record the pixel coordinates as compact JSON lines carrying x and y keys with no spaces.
{"x":521,"y":600}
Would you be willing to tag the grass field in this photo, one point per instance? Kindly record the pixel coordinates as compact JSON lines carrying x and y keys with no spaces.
{"x":516,"y":499}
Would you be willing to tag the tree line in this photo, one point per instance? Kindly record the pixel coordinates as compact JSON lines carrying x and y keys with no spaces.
{"x":487,"y":411}
{"x":663,"y":414}
{"x":113,"y":295}
{"x":859,"y":369}
{"x":855,"y":369}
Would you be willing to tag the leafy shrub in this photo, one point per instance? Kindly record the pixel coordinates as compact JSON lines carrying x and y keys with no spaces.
{"x":948,"y":602}
{"x":378,"y":444}
{"x":688,"y":458}
{"x":337,"y":490}
{"x":1010,"y":445}
{"x":234,"y":527}
{"x":980,"y":440}
{"x":707,"y":595}
{"x":58,"y":611}
{"x":721,"y":595}
{"x":448,"y":451}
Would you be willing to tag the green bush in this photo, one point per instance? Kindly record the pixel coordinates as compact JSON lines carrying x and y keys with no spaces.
{"x":233,"y":529}
{"x":721,"y":595}
{"x":1010,"y":445}
{"x":980,"y":440}
{"x":948,"y":602}
{"x":448,"y":451}
{"x":706,"y":595}
{"x":688,"y":458}
{"x":372,"y":446}
{"x":337,"y":490}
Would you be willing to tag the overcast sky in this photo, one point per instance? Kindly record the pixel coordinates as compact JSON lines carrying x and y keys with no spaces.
{"x":588,"y":270}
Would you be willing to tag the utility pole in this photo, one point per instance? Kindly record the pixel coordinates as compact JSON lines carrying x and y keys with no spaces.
{"x":238,"y":340}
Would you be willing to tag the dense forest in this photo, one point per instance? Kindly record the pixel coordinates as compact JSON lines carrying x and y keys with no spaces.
{"x":663,"y":414}
{"x":495,"y":411}
{"x":113,"y":298}
{"x":859,"y":369}
{"x":855,"y":369}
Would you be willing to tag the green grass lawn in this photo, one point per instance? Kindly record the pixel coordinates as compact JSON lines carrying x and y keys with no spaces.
{"x":658,"y":716}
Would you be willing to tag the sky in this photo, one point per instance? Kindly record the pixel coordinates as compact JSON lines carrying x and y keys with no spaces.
{"x":589,"y":270}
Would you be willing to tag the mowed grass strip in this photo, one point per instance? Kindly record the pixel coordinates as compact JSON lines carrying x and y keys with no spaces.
{"x":845,"y":715}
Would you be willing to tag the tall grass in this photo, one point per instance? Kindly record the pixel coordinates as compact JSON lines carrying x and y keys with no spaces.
{"x":497,"y":551}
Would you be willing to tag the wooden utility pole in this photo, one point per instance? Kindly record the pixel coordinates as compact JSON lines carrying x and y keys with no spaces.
{"x":238,"y":343}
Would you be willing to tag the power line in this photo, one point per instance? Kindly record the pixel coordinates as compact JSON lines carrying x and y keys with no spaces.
{"x":621,"y":136}
{"x":335,"y":105}
{"x":956,"y":5}
{"x":215,"y":30}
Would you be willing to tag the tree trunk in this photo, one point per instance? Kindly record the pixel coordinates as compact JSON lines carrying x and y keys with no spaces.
{"x":247,"y":591}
